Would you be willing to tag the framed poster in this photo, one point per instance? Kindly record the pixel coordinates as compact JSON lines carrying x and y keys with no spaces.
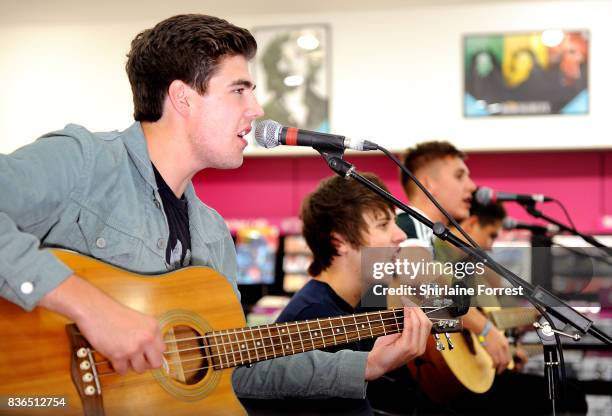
{"x":526,"y":73}
{"x":292,"y":73}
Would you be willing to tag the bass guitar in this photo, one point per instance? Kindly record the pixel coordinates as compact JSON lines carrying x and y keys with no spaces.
{"x":48,"y":367}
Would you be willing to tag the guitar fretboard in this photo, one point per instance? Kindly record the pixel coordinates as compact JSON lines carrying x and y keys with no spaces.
{"x":234,"y":347}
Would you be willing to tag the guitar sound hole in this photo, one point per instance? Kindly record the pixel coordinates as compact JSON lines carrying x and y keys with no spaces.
{"x":187,"y":360}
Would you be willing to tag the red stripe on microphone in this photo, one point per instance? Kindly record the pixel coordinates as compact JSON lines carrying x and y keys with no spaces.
{"x":291,"y":136}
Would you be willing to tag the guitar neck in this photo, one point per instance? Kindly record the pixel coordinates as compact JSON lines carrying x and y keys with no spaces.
{"x":530,"y":349}
{"x":243,"y":346}
{"x":513,"y":317}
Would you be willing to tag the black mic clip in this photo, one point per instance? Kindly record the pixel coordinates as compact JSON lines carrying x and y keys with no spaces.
{"x":334,"y":160}
{"x":528,"y":204}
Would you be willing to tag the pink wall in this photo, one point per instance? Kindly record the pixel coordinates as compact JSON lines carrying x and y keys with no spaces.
{"x":273,"y":187}
{"x":607,"y":187}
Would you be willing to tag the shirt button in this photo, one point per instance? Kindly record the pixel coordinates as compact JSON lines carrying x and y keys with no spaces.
{"x":161,"y":243}
{"x":100,"y":242}
{"x":157,"y":204}
{"x":27,"y":288}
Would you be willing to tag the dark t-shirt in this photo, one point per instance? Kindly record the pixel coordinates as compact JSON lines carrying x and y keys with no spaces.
{"x":394,"y":393}
{"x":315,"y":300}
{"x":178,"y":249}
{"x":318,"y":300}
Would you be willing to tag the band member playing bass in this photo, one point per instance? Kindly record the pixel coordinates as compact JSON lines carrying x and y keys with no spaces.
{"x":126,"y":197}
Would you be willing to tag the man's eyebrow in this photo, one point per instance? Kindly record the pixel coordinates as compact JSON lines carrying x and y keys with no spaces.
{"x":382,"y":216}
{"x":243,"y":83}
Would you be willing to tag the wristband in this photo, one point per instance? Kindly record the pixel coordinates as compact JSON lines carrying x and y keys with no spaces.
{"x":485,"y":331}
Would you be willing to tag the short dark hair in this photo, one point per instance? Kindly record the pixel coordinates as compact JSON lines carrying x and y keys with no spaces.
{"x":337,"y":206}
{"x":186,"y":47}
{"x":423,"y":154}
{"x":487,"y":214}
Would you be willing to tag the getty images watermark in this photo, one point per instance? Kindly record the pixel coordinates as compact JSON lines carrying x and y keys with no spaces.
{"x":433,"y":271}
{"x":419,"y":273}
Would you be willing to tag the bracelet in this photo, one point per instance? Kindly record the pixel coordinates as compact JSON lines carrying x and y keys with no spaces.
{"x":485,"y":331}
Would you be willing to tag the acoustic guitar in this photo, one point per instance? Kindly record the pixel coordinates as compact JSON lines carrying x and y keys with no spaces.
{"x":48,"y":367}
{"x":448,"y":374}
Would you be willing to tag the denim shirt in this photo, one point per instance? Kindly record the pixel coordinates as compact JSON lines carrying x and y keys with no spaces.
{"x":95,"y":193}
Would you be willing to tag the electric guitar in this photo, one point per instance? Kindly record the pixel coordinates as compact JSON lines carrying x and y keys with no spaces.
{"x":48,"y":367}
{"x":448,"y":374}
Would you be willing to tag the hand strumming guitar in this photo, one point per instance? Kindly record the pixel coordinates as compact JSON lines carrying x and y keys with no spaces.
{"x":496,"y":344}
{"x":520,"y":357}
{"x":127,"y":338}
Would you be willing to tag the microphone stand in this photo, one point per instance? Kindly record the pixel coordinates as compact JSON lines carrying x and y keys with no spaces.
{"x":541,"y":258}
{"x":545,"y":301}
{"x":582,"y":253}
{"x":531,"y":209}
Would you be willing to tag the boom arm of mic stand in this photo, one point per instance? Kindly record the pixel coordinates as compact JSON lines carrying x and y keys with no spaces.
{"x":536,"y":295}
{"x":531,"y":209}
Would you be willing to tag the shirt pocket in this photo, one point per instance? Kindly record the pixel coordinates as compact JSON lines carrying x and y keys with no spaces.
{"x":106,"y":242}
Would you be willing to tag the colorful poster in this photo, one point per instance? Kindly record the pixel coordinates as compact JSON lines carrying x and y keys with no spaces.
{"x":526,"y":73}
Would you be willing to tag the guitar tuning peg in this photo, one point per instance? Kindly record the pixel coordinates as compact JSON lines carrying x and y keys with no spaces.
{"x":439,"y":345}
{"x":449,"y":342}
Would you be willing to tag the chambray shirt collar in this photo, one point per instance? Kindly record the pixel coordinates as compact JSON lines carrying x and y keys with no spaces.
{"x":136,"y":145}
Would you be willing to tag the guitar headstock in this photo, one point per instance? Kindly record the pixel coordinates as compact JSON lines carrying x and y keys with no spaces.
{"x":441,"y":326}
{"x":444,"y":311}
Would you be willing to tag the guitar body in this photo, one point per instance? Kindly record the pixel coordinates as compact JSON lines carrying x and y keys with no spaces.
{"x":36,"y":356}
{"x":449,"y":374}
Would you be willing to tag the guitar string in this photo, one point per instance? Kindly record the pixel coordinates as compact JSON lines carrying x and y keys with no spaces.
{"x":230,"y":343}
{"x":269,"y":337}
{"x":243,"y":331}
{"x":124,"y":383}
{"x":251,"y":330}
{"x":264,"y":347}
{"x":148,"y":381}
{"x":261,"y":337}
{"x":238,"y":330}
{"x":244,"y":341}
{"x":314,"y":345}
{"x":114,"y":385}
{"x":184,"y":372}
{"x":309,"y":321}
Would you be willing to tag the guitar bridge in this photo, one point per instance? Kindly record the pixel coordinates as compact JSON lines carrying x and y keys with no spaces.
{"x":84,"y":373}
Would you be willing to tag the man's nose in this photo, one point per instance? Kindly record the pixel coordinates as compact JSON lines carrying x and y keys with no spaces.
{"x":255,"y":110}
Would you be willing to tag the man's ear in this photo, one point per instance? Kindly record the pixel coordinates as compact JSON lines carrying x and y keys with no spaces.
{"x":342,"y":246}
{"x":178,"y":95}
{"x":429,"y":177}
{"x":428,"y":182}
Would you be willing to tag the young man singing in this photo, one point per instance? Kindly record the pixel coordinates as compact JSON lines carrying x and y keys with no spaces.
{"x":126,"y":197}
{"x":442,"y":170}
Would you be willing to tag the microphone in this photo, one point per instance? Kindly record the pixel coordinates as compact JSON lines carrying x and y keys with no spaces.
{"x":486,"y":196}
{"x":269,"y":133}
{"x":511,"y":224}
